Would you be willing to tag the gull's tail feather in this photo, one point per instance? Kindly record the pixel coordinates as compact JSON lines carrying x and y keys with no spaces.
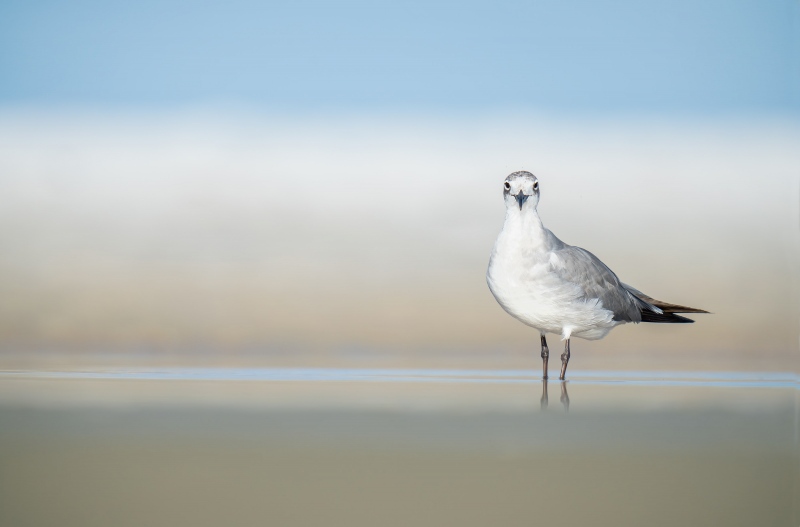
{"x":667,"y":311}
{"x":666,"y":307}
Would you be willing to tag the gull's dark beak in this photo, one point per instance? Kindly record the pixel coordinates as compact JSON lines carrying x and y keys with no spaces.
{"x":521,"y":197}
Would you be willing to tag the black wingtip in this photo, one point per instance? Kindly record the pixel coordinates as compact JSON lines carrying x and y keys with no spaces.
{"x":665,"y":318}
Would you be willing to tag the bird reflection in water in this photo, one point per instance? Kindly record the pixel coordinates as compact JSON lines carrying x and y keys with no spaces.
{"x":564,"y":395}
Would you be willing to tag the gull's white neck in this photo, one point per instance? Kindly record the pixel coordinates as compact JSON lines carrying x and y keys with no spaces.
{"x":525,"y":226}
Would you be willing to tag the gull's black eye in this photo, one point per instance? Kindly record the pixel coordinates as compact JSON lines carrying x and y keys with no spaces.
{"x":535,"y":185}
{"x":507,"y":185}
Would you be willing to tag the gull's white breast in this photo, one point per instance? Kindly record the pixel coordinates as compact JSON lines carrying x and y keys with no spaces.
{"x":522,"y":277}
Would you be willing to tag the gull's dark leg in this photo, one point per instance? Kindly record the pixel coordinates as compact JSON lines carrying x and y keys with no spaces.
{"x":564,"y":361}
{"x":543,"y":401}
{"x":545,"y":357}
{"x":564,"y":396}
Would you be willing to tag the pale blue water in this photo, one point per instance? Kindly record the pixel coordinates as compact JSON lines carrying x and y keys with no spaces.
{"x":722,"y":379}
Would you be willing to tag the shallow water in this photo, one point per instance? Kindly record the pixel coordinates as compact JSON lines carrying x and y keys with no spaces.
{"x":311,"y":446}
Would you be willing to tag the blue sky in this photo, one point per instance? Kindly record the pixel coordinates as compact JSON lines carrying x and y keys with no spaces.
{"x":717,"y":57}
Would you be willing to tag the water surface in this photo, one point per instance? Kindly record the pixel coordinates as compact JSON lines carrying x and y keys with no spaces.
{"x":332,"y":446}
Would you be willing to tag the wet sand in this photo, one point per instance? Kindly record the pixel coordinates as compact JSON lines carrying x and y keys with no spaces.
{"x":325,"y":446}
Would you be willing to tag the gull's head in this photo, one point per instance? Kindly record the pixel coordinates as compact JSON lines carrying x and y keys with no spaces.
{"x":521,"y":190}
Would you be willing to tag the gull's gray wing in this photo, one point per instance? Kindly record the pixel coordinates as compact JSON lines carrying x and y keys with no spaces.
{"x":585,"y":270}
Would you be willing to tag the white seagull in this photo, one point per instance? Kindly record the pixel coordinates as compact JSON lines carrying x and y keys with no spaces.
{"x":558,"y":288}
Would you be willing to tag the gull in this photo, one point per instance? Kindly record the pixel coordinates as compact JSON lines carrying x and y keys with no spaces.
{"x":559,"y":288}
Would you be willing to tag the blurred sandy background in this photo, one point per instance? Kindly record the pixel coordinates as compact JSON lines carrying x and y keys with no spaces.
{"x":197,"y":195}
{"x":227,"y":231}
{"x":322,"y":179}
